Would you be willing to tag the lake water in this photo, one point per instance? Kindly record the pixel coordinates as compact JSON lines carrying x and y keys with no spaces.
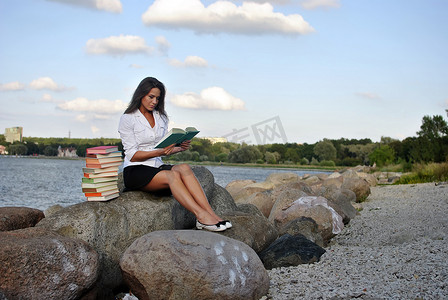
{"x":40,"y":182}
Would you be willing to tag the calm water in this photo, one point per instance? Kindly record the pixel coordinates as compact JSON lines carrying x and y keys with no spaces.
{"x":41,"y":183}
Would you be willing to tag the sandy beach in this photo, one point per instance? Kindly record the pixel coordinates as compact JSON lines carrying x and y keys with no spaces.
{"x":396,"y":248}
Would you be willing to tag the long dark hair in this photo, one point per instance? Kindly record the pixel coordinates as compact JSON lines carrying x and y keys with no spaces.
{"x":142,"y":90}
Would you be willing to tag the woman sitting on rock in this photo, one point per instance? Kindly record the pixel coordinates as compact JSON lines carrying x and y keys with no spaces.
{"x":141,"y":127}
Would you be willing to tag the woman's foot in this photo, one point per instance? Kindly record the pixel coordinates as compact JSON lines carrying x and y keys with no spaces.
{"x":215,"y":227}
{"x":226,"y":223}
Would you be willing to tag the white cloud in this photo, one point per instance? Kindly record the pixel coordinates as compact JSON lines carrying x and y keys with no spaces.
{"x":113,"y":6}
{"x":163,"y":45}
{"x":224,"y":16}
{"x":94,"y":129}
{"x":12,"y":86}
{"x":368,"y":95}
{"x":81,"y":118}
{"x":118,"y":45}
{"x":46,"y":83}
{"x":213,"y":98}
{"x":190,"y":61}
{"x":313,"y":4}
{"x":49,"y":98}
{"x":101,"y":106}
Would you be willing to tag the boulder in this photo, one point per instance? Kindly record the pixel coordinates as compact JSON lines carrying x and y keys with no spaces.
{"x":312,"y":180}
{"x":329,"y":222}
{"x":12,"y":218}
{"x":53,"y":209}
{"x":322,"y":176}
{"x":336,"y":182}
{"x":350,"y":174}
{"x":370,"y":178}
{"x":235,"y":186}
{"x":334,"y":175}
{"x":290,"y":186}
{"x":110,"y":227}
{"x":289,"y":251}
{"x":253,"y":230}
{"x":221,"y":201}
{"x":304,"y":226}
{"x":39,"y":264}
{"x":282,"y":178}
{"x":340,"y":200}
{"x":262,"y":200}
{"x":245,"y":192}
{"x":357,"y":185}
{"x":193,"y":265}
{"x":249,"y":209}
{"x":284,"y":200}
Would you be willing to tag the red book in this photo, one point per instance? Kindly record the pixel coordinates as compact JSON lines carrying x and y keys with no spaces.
{"x":99,"y":194}
{"x":101,"y":149}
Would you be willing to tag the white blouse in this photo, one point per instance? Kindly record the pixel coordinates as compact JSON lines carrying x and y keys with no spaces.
{"x":137,"y":135}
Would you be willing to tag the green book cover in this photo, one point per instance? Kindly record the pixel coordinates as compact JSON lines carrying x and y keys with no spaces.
{"x":177,"y":136}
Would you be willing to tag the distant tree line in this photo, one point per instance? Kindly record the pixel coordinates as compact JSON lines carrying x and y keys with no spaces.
{"x":430,"y":145}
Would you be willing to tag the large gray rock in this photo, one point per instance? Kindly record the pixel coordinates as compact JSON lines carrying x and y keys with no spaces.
{"x":253,"y":230}
{"x":304,"y":226}
{"x":282,"y":178}
{"x":262,"y":200}
{"x":110,"y":227}
{"x":221,"y":201}
{"x":39,"y":264}
{"x":193,"y":265}
{"x":357,"y":185}
{"x":283,"y":200}
{"x":291,"y":250}
{"x":235,"y":186}
{"x":329,"y":222}
{"x":340,"y":200}
{"x":12,"y":218}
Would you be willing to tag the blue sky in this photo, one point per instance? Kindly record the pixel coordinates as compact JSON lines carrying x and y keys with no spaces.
{"x":325,"y":68}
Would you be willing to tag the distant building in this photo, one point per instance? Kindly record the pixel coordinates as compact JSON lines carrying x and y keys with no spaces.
{"x":67,"y":152}
{"x":13,"y":134}
{"x":3,"y":150}
{"x":214,"y":140}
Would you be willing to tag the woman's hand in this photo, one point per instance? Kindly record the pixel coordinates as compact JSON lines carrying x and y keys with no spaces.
{"x":185,"y":145}
{"x":173,"y":149}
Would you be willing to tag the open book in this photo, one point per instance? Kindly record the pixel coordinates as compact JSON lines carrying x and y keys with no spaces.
{"x":177,"y":136}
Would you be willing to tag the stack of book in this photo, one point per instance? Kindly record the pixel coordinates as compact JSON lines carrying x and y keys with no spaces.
{"x":100,"y":181}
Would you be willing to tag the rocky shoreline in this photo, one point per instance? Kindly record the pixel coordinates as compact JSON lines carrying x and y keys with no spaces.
{"x":283,"y":226}
{"x":395,"y":249}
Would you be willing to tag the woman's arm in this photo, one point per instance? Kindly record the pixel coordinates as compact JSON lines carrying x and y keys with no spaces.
{"x":144,"y":155}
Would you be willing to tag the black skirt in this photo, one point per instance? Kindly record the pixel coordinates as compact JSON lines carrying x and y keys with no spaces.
{"x":138,"y":176}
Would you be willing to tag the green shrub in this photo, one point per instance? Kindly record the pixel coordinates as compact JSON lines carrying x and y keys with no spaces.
{"x":421,"y":173}
{"x":327,"y":163}
{"x":304,"y":161}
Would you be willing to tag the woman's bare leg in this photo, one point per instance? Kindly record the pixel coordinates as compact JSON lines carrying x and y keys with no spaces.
{"x":194,"y":187}
{"x":173,"y":180}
